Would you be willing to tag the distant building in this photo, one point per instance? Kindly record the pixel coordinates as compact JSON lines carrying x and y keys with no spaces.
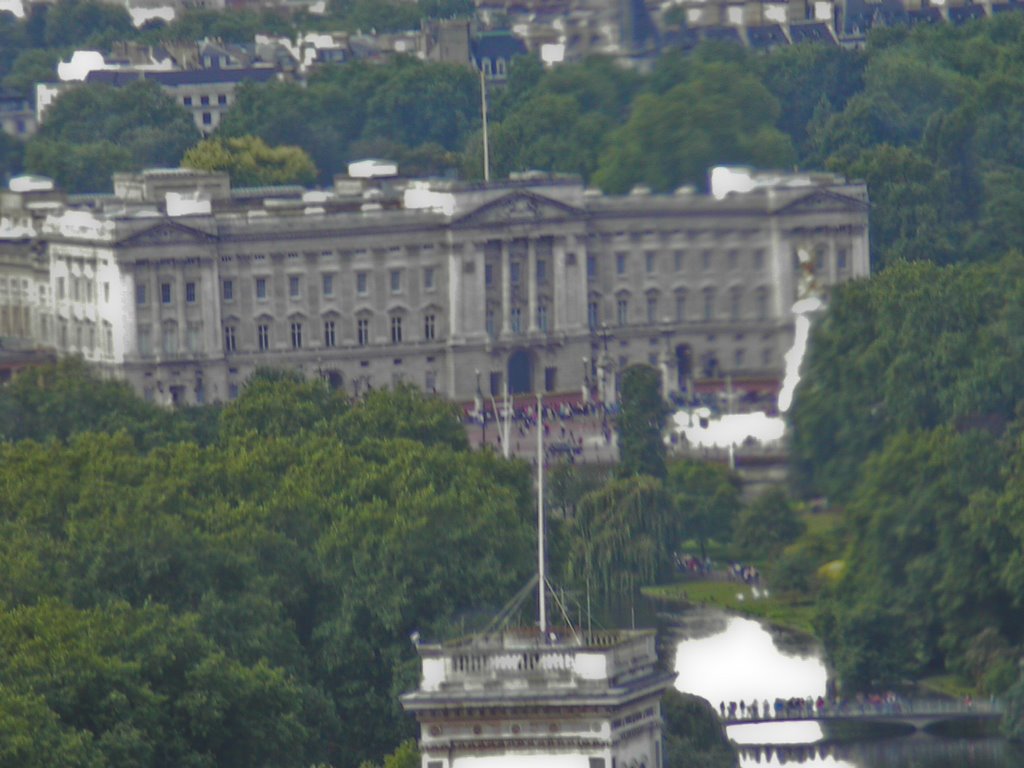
{"x":17,"y":116}
{"x":201,"y":77}
{"x":493,"y":53}
{"x":184,"y":286}
{"x":588,"y":701}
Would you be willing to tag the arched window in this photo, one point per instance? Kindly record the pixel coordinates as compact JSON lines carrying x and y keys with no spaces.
{"x":709,"y":304}
{"x":735,"y":303}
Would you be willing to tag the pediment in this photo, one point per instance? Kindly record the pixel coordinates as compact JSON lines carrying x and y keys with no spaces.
{"x":168,"y":233}
{"x":518,"y":208}
{"x":824,"y":201}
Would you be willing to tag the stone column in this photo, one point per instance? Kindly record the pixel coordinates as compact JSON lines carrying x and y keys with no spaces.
{"x":833,"y":261}
{"x":455,"y":302}
{"x":581,"y":299}
{"x":506,"y":290}
{"x":479,"y":322}
{"x":531,"y":258}
{"x":560,"y":296}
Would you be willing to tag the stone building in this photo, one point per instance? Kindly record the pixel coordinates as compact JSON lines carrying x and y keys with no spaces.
{"x":184,"y":286}
{"x":523,"y":699}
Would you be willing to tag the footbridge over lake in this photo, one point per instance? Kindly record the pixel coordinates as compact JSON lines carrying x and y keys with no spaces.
{"x":921,"y":714}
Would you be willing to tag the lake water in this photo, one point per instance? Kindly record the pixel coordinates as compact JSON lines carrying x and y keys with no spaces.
{"x":726,"y":658}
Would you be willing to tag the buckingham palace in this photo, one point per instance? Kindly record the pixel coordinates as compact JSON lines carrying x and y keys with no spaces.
{"x":183,"y":286}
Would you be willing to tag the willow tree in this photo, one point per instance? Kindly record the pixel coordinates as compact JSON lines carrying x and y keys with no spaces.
{"x":640,"y":423}
{"x":623,"y":535}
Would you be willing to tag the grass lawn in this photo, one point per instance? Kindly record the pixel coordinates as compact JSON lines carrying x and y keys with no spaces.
{"x":783,"y":611}
{"x":947,"y":685}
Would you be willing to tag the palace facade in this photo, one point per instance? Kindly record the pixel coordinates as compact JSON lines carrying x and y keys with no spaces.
{"x":183,"y":286}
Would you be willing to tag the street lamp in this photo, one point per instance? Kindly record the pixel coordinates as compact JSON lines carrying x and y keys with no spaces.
{"x":481,"y":414}
{"x":586,"y":380}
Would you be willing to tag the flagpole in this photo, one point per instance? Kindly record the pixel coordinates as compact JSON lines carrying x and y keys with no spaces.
{"x":541,"y":580}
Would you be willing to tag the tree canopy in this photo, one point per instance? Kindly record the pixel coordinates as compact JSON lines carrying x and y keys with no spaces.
{"x":93,"y":130}
{"x":251,"y":163}
{"x":640,"y":423}
{"x":241,"y":600}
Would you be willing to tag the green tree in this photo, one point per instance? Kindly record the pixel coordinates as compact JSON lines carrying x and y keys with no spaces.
{"x":13,"y":40}
{"x":547,"y":132}
{"x":31,"y":66}
{"x":706,"y":498}
{"x":916,"y":587}
{"x":425,"y":103}
{"x":279,"y":403}
{"x":407,"y":755}
{"x":694,"y":734}
{"x":93,"y":130}
{"x":68,"y":398}
{"x":766,"y":525}
{"x":404,"y":412}
{"x":721,"y":115}
{"x":237,"y":25}
{"x":640,"y":423}
{"x":803,"y":77}
{"x":623,"y":535}
{"x":74,"y":22}
{"x":251,"y":163}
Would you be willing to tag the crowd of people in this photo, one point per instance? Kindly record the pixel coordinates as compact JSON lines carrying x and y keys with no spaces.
{"x":572,"y":429}
{"x":797,"y":708}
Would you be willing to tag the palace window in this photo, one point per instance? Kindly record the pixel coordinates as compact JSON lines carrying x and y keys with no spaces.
{"x":296,"y":335}
{"x":145,"y":342}
{"x":429,"y":324}
{"x":396,"y":329}
{"x":170,"y":339}
{"x":263,"y":337}
{"x":709,"y":303}
{"x":622,"y":311}
{"x":230,"y":339}
{"x":681,"y":307}
{"x":192,"y":337}
{"x":261,"y":287}
{"x":330,"y":336}
{"x":229,"y":290}
{"x":363,"y":331}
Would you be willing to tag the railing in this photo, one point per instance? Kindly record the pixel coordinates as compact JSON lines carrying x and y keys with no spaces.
{"x":890,"y":708}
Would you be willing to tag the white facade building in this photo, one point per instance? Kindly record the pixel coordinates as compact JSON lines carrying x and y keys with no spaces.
{"x":519,"y":698}
{"x":183,"y":286}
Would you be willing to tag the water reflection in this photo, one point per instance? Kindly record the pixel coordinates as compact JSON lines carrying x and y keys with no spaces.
{"x":728,"y":658}
{"x":888,"y":753}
